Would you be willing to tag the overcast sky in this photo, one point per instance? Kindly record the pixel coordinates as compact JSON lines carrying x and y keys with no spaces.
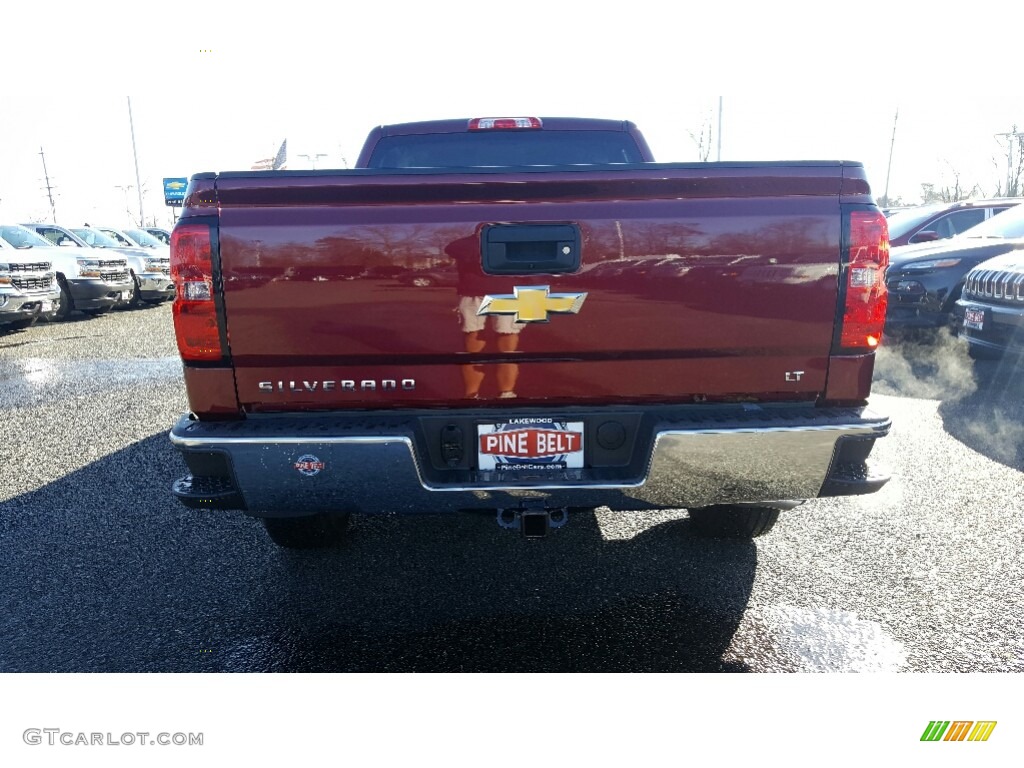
{"x":216,"y":90}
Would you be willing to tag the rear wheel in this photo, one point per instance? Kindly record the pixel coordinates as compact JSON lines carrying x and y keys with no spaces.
{"x":311,"y":532}
{"x":726,"y":521}
{"x":64,"y":304}
{"x":135,"y":295}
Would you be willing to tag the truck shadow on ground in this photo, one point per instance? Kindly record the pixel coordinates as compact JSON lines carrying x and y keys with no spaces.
{"x":451,"y":594}
{"x":103,"y":571}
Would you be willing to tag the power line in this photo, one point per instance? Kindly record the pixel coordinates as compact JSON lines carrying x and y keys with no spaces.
{"x":892,"y":144}
{"x":135,"y":154}
{"x":49,"y":189}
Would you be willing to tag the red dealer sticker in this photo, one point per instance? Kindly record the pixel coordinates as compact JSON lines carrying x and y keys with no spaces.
{"x":309,"y":465}
{"x":530,"y":444}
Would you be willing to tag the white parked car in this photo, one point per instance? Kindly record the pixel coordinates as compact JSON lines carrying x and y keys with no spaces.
{"x":88,"y":281}
{"x":153,"y":282}
{"x":28,"y":287}
{"x":160,"y":234}
{"x":150,"y":272}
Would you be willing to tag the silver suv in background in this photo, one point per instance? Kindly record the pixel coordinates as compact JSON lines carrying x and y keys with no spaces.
{"x":88,"y":281}
{"x":28,"y":288}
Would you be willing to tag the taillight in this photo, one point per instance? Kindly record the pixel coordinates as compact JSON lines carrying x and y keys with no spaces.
{"x":195,"y":314}
{"x":504,"y":123}
{"x":866,"y":295}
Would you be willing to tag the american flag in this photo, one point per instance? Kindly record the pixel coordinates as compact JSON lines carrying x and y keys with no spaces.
{"x":277,"y":163}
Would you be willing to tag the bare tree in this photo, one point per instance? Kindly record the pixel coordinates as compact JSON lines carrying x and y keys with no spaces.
{"x":958,"y":192}
{"x":928,"y":193}
{"x":703,"y":139}
{"x":891,"y":202}
{"x":949,"y":193}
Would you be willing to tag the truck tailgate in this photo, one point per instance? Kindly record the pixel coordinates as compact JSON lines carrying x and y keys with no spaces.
{"x":364,"y":289}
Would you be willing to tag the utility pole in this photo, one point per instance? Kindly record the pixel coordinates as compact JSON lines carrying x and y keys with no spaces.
{"x":1012,"y":136}
{"x":49,"y":189}
{"x":314,"y":157}
{"x":135,"y":154}
{"x":891,"y":145}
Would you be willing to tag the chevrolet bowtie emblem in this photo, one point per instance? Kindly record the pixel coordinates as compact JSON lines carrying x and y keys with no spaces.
{"x":532,"y":304}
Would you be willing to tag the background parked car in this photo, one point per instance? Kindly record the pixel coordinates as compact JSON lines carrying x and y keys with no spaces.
{"x":145,"y":239}
{"x":927,"y":223}
{"x":150,"y":267}
{"x":90,"y":282}
{"x":28,"y":287}
{"x":427,"y":277}
{"x":160,"y":234}
{"x":134,"y":238}
{"x":139,"y":261}
{"x":990,"y":313}
{"x":925,"y":281}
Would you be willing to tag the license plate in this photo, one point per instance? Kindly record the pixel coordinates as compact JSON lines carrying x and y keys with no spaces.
{"x":974,"y":319}
{"x":47,"y":306}
{"x":125,"y":295}
{"x":530,"y":445}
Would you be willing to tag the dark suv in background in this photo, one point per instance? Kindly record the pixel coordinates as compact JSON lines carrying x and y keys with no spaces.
{"x":927,"y":223}
{"x":925,"y":281}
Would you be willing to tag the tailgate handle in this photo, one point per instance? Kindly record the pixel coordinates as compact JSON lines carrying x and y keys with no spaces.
{"x":526,"y":249}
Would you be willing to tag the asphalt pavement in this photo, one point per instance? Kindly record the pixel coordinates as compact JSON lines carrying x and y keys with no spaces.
{"x":102,"y":570}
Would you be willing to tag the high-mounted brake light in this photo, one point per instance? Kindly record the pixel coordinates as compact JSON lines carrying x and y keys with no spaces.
{"x":504,"y":123}
{"x":866,"y":294}
{"x":195,"y":314}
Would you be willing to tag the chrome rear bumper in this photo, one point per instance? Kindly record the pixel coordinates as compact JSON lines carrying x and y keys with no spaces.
{"x":695,"y":459}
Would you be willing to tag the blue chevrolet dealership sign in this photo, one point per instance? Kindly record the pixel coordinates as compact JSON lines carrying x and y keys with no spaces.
{"x":174,"y":191}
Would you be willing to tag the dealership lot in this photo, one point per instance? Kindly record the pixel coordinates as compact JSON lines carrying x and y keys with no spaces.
{"x":102,"y":570}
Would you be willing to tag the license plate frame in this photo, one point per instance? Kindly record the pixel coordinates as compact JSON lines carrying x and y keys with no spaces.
{"x":974,"y":319}
{"x":530,"y":445}
{"x":46,"y":306}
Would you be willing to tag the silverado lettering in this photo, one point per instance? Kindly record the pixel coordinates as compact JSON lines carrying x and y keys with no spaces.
{"x":350,"y":385}
{"x":722,"y":363}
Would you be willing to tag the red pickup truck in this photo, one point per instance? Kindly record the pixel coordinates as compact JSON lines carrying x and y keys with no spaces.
{"x":597,"y":330}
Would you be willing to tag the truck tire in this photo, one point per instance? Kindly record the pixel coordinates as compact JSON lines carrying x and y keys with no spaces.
{"x":310,"y":532}
{"x":725,"y":521}
{"x":65,"y":305}
{"x":135,"y":295}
